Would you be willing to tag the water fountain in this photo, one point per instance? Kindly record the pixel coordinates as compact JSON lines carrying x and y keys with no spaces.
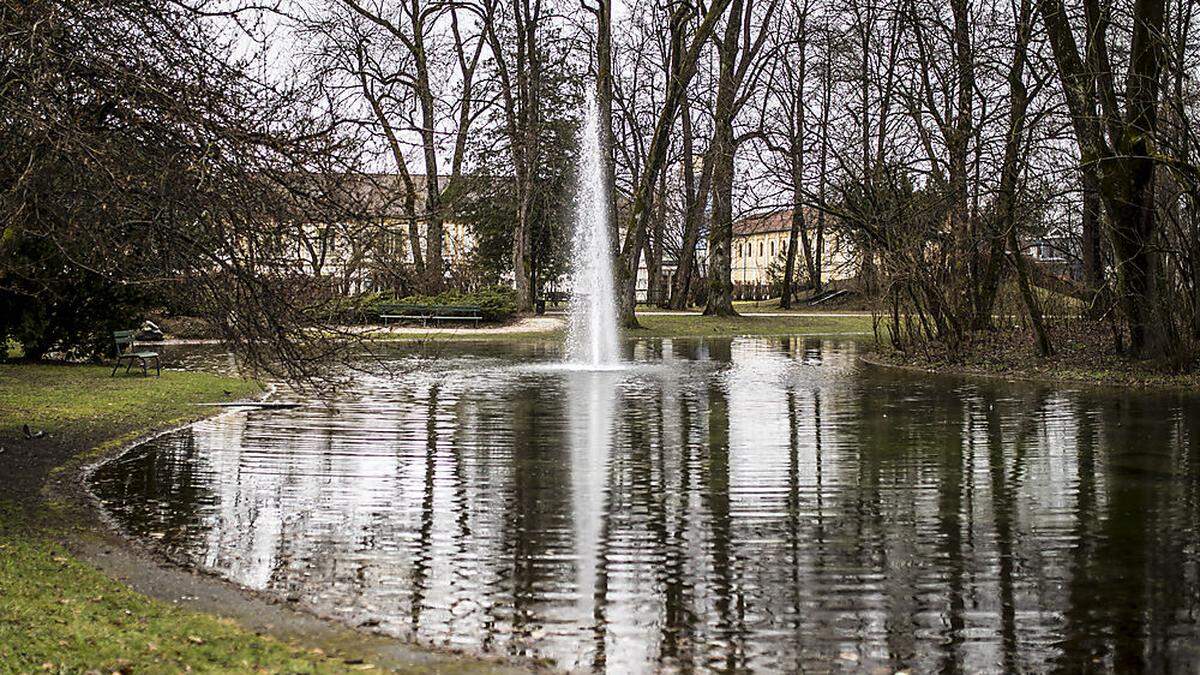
{"x":592,"y":340}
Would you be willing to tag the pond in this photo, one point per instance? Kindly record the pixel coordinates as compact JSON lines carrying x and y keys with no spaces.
{"x":722,"y":505}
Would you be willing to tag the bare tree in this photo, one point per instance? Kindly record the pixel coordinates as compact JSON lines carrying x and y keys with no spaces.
{"x":785,"y":130}
{"x":740,"y":69}
{"x":684,"y":55}
{"x":190,"y":174}
{"x":389,"y":46}
{"x":1118,"y":143}
{"x":514,"y":31}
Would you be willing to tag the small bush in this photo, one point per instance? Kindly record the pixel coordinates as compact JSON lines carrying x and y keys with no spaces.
{"x":363,"y":308}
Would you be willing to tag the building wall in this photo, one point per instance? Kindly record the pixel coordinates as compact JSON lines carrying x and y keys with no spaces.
{"x":343,"y":263}
{"x":754,"y":253}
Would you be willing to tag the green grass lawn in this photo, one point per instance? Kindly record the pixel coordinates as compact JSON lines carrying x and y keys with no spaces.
{"x":692,"y":325}
{"x":58,"y":614}
{"x":76,"y":400}
{"x":672,"y":325}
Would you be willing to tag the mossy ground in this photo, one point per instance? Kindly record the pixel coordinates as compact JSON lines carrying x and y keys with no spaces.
{"x":58,"y":614}
{"x":1084,"y":353}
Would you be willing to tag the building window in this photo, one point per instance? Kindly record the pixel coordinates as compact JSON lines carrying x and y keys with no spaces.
{"x":739,"y":249}
{"x":760,"y":249}
{"x":772,"y":249}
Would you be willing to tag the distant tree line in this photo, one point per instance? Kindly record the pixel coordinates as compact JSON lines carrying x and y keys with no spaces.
{"x":939,"y":138}
{"x":144,"y":150}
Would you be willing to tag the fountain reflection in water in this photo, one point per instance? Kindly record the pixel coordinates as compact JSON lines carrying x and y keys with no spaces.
{"x":592,"y":402}
{"x":592,"y":315}
{"x":726,"y":506}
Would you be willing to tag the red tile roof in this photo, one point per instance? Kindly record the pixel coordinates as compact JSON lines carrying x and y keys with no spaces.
{"x":765,"y":223}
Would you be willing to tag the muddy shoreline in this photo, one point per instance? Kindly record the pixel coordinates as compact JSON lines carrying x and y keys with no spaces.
{"x":876,"y":360}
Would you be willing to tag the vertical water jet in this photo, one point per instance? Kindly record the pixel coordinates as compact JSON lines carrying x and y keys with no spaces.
{"x":592,"y":339}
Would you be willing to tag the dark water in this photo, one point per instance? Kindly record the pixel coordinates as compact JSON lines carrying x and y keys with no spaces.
{"x":755,"y":504}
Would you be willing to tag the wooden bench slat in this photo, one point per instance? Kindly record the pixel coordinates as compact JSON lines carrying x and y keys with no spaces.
{"x":426,"y":313}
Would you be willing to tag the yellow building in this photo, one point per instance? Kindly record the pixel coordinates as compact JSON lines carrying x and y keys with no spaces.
{"x":368,"y":234}
{"x":761,"y":240}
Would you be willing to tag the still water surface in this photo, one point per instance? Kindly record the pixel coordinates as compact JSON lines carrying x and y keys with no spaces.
{"x":725,"y":505}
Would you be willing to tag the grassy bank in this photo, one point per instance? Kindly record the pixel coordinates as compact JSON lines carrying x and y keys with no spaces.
{"x":694,"y":325}
{"x":1084,"y":354}
{"x":667,"y":326}
{"x":58,"y":614}
{"x":75,"y":401}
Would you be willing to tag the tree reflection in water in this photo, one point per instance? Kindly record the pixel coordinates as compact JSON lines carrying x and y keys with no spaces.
{"x":729,"y":504}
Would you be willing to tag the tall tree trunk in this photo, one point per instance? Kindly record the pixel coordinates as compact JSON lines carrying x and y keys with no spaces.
{"x":434,"y":268}
{"x":522,"y":253}
{"x":654,"y":252}
{"x":410,"y":192}
{"x":720,"y":231}
{"x":1092,"y":241}
{"x":696,"y":198}
{"x":823,"y":178}
{"x":1124,"y":162}
{"x":604,"y":101}
{"x":957,"y":141}
{"x":795,"y":232}
{"x":520,"y":90}
{"x":1010,"y":170}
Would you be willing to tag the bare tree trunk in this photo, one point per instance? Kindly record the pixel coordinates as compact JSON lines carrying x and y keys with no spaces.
{"x":1093,"y":217}
{"x":1125,"y":169}
{"x":720,"y":232}
{"x":957,"y":141}
{"x":409,"y":198}
{"x":683,"y":68}
{"x":520,"y":91}
{"x":794,"y":234}
{"x":696,"y":200}
{"x":604,"y":103}
{"x":823,"y":179}
{"x":654,"y":251}
{"x":1010,"y":174}
{"x":1044,"y":346}
{"x":798,"y":230}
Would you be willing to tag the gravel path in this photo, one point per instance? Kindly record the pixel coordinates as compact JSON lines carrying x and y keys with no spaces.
{"x":532,"y":324}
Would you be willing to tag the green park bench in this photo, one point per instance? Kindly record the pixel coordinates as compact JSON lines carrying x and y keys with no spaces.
{"x":125,"y":352}
{"x":549,"y":297}
{"x":427,"y":313}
